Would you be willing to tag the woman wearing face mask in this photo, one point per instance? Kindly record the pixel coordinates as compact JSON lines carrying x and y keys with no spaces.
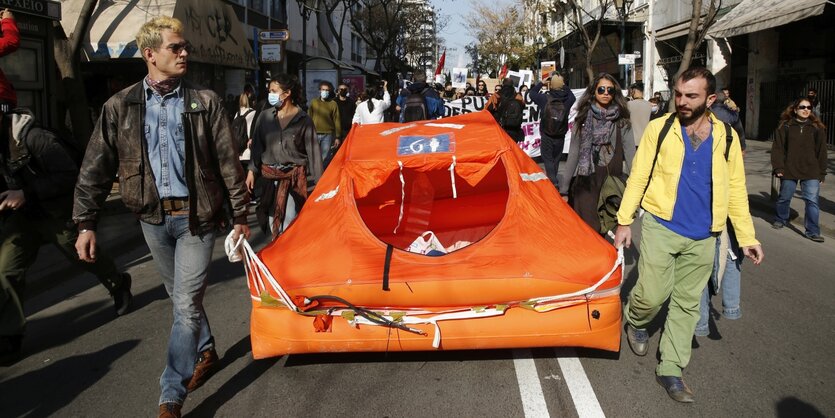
{"x":601,"y":142}
{"x":372,"y":110}
{"x":285,"y":152}
{"x":798,"y":155}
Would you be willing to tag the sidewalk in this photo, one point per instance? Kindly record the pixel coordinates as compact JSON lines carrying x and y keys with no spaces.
{"x":758,"y":177}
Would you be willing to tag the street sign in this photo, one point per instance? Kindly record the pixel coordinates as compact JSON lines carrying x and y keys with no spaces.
{"x":271,"y":53}
{"x":274,"y":35}
{"x":624,"y":59}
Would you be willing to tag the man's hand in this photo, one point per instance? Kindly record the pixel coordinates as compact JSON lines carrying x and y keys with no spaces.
{"x":250,"y":180}
{"x":240,"y":229}
{"x":12,"y":199}
{"x":85,"y":246}
{"x":623,"y":236}
{"x":755,"y":253}
{"x":6,"y":14}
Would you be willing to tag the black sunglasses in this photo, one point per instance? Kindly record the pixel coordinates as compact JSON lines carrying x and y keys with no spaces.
{"x":606,"y":89}
{"x":177,"y":48}
{"x":803,"y":107}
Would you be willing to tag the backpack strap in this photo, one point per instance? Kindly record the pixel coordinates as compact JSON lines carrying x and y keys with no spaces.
{"x":667,"y":125}
{"x":729,"y":139}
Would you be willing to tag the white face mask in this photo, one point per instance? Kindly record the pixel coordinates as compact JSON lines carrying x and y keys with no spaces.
{"x":274,"y":99}
{"x":324,"y":94}
{"x":654,"y":109}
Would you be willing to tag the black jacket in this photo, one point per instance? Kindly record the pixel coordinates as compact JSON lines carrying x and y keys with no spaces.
{"x":799,"y":151}
{"x":213,"y":172}
{"x":37,"y":162}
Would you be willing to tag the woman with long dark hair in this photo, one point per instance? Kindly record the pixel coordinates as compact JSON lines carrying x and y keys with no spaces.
{"x":372,"y":109}
{"x":798,"y":154}
{"x":601,"y":142}
{"x":481,"y":89}
{"x":285,"y":152}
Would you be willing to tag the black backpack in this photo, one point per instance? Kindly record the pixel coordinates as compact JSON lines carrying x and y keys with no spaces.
{"x":553,"y":121}
{"x":415,"y":109}
{"x":240,"y":132}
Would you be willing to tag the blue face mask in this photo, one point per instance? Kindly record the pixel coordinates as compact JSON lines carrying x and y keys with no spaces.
{"x":274,"y":99}
{"x":324,"y":94}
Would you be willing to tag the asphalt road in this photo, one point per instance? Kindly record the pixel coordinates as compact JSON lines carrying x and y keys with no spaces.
{"x":80,"y":361}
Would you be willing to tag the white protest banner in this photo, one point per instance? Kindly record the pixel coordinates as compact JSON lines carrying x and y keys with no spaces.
{"x":530,"y":118}
{"x":459,"y":77}
{"x":527,"y":78}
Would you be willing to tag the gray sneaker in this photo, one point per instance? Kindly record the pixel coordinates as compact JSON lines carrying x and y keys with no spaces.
{"x":816,"y":238}
{"x":777,"y":224}
{"x":637,"y":339}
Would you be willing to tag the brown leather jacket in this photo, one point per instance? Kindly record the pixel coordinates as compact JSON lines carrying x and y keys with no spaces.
{"x":213,"y":173}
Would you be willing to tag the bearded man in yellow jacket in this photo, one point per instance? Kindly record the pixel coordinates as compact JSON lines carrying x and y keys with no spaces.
{"x":689,"y":186}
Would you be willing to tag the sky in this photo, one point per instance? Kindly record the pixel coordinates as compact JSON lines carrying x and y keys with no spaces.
{"x":456,"y":34}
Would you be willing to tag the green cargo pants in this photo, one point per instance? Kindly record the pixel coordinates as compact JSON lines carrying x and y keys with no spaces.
{"x":670,"y":267}
{"x":21,"y":235}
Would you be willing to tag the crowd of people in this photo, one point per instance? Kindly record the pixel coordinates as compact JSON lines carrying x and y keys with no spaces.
{"x":197,"y":168}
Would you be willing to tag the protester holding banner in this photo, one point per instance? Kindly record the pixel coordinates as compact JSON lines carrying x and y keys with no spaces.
{"x":601,"y":143}
{"x":554,"y":106}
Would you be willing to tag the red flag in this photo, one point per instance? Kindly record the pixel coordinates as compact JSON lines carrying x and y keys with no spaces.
{"x":503,"y":72}
{"x":441,"y":63}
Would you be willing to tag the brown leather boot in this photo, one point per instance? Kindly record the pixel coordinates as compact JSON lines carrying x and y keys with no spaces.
{"x":170,"y":410}
{"x":207,"y":363}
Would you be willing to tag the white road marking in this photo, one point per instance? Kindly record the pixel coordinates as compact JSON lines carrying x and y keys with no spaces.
{"x":585,"y":401}
{"x":530,"y":389}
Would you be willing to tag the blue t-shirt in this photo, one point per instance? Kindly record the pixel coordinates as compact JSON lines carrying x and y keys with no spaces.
{"x":692,"y":213}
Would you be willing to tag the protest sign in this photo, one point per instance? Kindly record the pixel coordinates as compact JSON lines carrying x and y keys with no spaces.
{"x":530,"y":118}
{"x":546,"y":69}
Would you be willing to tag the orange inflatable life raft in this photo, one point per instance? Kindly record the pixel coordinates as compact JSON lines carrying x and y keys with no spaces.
{"x":520,"y":268}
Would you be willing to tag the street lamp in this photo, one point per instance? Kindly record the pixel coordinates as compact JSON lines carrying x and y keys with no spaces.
{"x":539,"y":44}
{"x":306,"y":8}
{"x":622,"y":7}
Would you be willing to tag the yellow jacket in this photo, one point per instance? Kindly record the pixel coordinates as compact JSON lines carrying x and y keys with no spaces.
{"x":730,"y":197}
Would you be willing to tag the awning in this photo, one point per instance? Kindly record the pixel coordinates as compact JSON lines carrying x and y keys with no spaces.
{"x":756,"y":15}
{"x":211,"y":26}
{"x":330,"y":62}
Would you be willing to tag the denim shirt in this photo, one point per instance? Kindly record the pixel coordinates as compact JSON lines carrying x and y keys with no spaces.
{"x":166,"y":141}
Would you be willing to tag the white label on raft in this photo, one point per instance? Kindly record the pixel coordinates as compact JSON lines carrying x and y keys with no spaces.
{"x":394,"y":130}
{"x":328,"y":195}
{"x":533,"y":176}
{"x":445,"y":125}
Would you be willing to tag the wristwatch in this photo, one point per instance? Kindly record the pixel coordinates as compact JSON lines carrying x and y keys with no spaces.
{"x":82,"y":231}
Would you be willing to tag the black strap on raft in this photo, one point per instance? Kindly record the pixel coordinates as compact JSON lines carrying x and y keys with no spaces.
{"x":387,"y":267}
{"x":366,"y":313}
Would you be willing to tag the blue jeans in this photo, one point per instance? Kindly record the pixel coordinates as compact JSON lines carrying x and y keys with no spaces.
{"x":183,"y":262}
{"x":810,"y":189}
{"x":325,"y":142}
{"x":731,"y":288}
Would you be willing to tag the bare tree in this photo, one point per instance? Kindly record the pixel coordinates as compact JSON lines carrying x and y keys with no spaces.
{"x":695,"y":36}
{"x":587,"y":25}
{"x":500,"y":35}
{"x":67,"y":52}
{"x":379,"y":24}
{"x":325,"y":12}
